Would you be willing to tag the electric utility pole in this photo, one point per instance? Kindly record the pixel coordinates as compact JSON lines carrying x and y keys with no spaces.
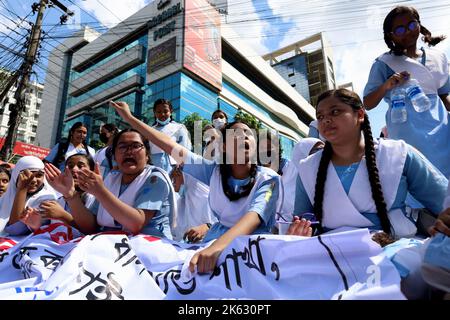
{"x":24,"y":72}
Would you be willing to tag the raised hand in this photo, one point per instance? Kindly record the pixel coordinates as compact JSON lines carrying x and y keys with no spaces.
{"x":31,"y":218}
{"x":90,"y":181}
{"x":24,"y":180}
{"x":61,"y":182}
{"x":122,"y":109}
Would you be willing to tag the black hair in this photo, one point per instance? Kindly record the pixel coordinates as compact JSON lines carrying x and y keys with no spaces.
{"x":162,"y":101}
{"x":89,"y":159}
{"x":219,"y":111}
{"x":144,"y":141}
{"x":111,"y":127}
{"x":6,"y":171}
{"x":387,"y":29}
{"x":352,"y":99}
{"x":64,"y":146}
{"x":225,"y":169}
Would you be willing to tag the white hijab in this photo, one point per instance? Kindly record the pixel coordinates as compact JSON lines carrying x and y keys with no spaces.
{"x":303,"y":148}
{"x":6,"y":201}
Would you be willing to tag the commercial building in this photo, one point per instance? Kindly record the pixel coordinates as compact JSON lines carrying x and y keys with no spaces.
{"x":307,"y":65}
{"x":29,"y":124}
{"x":179,"y":51}
{"x":57,"y":79}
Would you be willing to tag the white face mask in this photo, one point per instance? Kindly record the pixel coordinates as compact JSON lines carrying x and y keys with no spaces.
{"x":218,"y":123}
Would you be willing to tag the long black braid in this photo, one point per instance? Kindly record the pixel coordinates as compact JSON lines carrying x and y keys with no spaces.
{"x":64,"y":146}
{"x":387,"y":29}
{"x":374,"y":178}
{"x":352,"y":99}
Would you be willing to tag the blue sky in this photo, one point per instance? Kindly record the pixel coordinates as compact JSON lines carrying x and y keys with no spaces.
{"x":353,"y":28}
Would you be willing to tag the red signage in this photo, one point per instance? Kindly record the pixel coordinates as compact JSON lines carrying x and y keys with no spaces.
{"x":25,"y":149}
{"x":202,"y":42}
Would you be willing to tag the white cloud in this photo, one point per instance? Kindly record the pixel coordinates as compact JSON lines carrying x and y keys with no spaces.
{"x":7,"y":24}
{"x":109,"y":13}
{"x":353,"y":28}
{"x":245,"y":21}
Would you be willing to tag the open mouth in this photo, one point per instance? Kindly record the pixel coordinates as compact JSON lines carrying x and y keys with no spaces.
{"x":129,"y":161}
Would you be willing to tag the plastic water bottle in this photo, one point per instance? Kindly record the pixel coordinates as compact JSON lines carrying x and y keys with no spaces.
{"x":418,"y":98}
{"x":398,"y":105}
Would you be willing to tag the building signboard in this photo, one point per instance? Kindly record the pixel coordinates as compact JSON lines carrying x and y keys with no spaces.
{"x":162,"y":55}
{"x":202,"y":48}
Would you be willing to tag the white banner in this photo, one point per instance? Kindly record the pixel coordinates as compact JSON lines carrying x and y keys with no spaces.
{"x":59,"y":264}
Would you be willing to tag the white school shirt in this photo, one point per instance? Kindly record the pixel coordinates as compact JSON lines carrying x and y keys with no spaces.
{"x":340,"y":209}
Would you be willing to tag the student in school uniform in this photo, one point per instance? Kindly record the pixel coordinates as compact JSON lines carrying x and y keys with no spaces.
{"x":76,"y":143}
{"x":243,"y":196}
{"x":53,"y":211}
{"x":365,"y":180}
{"x":359,"y":182}
{"x":104,"y":156}
{"x":164,"y":123}
{"x":27,"y":190}
{"x":137,"y":198}
{"x":429,"y":129}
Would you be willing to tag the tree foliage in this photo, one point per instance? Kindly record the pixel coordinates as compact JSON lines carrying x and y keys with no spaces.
{"x":190,"y":121}
{"x":248,"y":118}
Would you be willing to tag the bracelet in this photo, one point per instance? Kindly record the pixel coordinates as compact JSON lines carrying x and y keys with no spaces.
{"x":208,"y":225}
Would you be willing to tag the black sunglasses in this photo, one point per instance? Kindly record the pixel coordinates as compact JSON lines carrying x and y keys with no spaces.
{"x":401,"y":30}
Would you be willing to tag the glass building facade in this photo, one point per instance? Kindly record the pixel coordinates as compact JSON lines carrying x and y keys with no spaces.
{"x":187,"y":95}
{"x":295,"y":71}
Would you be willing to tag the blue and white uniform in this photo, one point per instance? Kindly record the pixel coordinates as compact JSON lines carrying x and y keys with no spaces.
{"x":436,"y":260}
{"x":102,"y":159}
{"x":178,"y":133}
{"x":428,"y":131}
{"x":151,"y":190}
{"x":348,"y":201}
{"x":87,"y":199}
{"x":193,"y":206}
{"x":262,"y":199}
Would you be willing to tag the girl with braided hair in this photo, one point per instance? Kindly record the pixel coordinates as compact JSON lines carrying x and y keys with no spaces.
{"x":76,"y":143}
{"x":243,"y":196}
{"x":428,"y":131}
{"x":356,"y":181}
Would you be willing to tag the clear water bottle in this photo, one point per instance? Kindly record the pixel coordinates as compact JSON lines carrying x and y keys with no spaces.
{"x":418,"y":98}
{"x":398,"y":105}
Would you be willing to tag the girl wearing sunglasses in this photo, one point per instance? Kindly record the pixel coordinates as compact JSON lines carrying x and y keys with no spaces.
{"x":428,"y":131}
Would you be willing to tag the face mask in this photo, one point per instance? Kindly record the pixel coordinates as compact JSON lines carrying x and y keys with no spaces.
{"x":163,"y":123}
{"x":218,"y":123}
{"x":237,"y":184}
{"x":103,"y":138}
